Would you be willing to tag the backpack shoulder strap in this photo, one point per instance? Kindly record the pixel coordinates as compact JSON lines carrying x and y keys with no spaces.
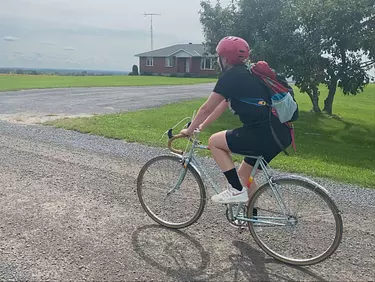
{"x":267,"y":89}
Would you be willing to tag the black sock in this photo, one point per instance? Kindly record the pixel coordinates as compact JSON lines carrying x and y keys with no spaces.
{"x":233,"y":179}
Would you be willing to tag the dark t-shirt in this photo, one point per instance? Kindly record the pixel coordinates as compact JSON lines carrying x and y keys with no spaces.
{"x":238,"y":83}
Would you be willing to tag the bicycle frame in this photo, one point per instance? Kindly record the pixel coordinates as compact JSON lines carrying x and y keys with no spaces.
{"x":190,"y":158}
{"x":265,"y":206}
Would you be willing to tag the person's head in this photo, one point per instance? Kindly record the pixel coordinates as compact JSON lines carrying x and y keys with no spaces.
{"x":232,"y":51}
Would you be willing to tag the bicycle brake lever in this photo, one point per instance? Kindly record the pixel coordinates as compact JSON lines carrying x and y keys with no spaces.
{"x":170,"y":134}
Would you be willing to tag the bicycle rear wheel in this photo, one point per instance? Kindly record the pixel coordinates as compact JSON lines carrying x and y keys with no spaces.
{"x":309,"y":232}
{"x":166,"y":202}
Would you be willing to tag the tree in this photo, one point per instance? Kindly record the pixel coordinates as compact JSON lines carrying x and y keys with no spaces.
{"x":217,"y":22}
{"x":134,"y":70}
{"x":317,"y":41}
{"x":274,"y":41}
{"x":340,"y":26}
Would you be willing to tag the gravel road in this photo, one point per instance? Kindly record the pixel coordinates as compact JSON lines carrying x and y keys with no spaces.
{"x":69,"y":211}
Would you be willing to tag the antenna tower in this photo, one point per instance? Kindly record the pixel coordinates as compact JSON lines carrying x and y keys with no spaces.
{"x":151,"y":28}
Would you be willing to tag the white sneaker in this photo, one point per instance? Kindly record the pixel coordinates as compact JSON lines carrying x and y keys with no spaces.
{"x":231,"y":196}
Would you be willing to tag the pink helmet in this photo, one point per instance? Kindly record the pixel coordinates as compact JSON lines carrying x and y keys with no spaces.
{"x":235,"y":49}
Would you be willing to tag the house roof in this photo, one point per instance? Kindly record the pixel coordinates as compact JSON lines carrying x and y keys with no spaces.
{"x":195,"y":50}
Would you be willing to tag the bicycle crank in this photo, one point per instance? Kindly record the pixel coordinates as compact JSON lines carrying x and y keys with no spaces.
{"x":230,"y":215}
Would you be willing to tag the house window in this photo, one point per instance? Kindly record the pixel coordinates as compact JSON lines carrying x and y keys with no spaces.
{"x":149,"y":62}
{"x":208,"y":63}
{"x":169,"y":62}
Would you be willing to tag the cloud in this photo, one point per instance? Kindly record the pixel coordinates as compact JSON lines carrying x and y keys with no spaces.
{"x":69,"y":48}
{"x":47,"y":43}
{"x":10,"y":38}
{"x":38,"y":56}
{"x":57,"y":57}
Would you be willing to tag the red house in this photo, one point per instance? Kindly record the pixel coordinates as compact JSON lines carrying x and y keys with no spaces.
{"x":178,"y":60}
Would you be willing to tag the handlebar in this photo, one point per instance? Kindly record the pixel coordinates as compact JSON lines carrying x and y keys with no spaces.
{"x":171,"y":139}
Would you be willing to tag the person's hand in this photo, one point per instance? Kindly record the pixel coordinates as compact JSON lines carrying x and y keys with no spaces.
{"x":201,"y":127}
{"x":186,"y":132}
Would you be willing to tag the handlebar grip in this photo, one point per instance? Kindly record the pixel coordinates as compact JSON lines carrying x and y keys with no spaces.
{"x":180,"y":152}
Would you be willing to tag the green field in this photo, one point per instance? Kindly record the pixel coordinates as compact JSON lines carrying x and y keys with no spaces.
{"x":340,"y":148}
{"x":18,"y":82}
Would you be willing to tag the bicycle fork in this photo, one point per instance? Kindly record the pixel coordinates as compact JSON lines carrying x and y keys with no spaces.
{"x":184,"y":163}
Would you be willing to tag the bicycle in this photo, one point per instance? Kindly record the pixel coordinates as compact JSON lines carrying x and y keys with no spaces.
{"x":258,"y":214}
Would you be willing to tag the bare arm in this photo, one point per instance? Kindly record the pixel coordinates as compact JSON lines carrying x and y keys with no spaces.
{"x":215,"y":114}
{"x":204,"y":111}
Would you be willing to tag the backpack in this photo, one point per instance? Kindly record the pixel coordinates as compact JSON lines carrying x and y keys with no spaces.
{"x":283,"y":103}
{"x":281,"y":98}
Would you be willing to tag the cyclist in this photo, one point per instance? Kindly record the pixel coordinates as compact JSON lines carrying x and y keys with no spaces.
{"x":255,"y":136}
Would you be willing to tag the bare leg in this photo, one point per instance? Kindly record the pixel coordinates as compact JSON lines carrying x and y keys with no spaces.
{"x":220,"y":151}
{"x":244,"y":173}
{"x":221,"y":154}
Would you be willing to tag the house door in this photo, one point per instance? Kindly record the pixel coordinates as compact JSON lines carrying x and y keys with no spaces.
{"x":187,"y":65}
{"x":181,"y":65}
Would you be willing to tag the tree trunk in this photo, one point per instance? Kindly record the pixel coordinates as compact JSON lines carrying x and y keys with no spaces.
{"x":314,"y":97}
{"x":328,"y":102}
{"x":315,"y":100}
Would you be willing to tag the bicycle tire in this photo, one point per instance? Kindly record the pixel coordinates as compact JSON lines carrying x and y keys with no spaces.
{"x":198,"y":179}
{"x":321,"y":192}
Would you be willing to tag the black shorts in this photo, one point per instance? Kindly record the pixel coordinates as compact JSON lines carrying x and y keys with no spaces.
{"x":258,"y":141}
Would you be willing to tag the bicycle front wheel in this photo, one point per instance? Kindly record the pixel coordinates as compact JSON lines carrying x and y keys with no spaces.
{"x":301,"y":227}
{"x":172,"y":195}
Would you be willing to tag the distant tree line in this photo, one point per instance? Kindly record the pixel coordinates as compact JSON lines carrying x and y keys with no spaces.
{"x":21,"y":71}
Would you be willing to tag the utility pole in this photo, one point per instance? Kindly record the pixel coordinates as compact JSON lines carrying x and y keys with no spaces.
{"x":151,"y":29}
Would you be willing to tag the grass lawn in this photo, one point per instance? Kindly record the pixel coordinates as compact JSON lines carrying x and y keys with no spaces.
{"x":18,"y":82}
{"x":338,"y":148}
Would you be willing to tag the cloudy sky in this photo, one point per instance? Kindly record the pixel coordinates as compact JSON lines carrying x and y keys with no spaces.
{"x":92,"y":34}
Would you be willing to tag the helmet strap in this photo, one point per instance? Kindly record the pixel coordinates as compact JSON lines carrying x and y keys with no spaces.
{"x":223,"y":69}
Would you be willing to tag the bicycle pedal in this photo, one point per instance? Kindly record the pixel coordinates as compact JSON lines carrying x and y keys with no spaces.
{"x":240,"y":229}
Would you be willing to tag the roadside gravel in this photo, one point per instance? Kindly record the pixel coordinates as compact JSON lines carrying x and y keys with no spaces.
{"x":69,"y":211}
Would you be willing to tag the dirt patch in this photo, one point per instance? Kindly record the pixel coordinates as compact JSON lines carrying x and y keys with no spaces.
{"x":32,"y":118}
